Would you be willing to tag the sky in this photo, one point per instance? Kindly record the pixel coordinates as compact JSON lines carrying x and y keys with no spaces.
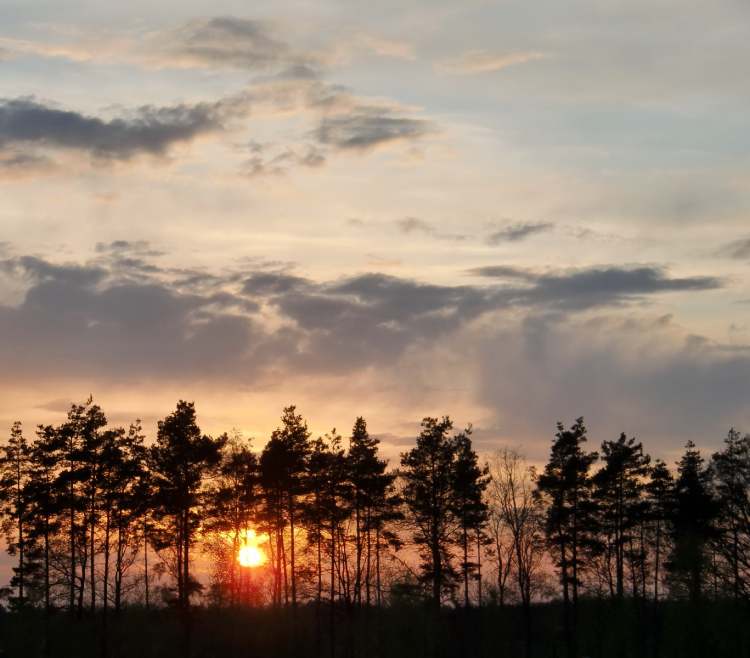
{"x":513,"y":213}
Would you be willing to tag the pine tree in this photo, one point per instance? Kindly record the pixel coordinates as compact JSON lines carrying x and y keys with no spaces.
{"x":15,"y":475}
{"x":283,"y":465}
{"x":469,"y":484}
{"x":428,"y":475}
{"x":370,"y":482}
{"x":180,"y":459}
{"x":45,"y":497}
{"x":618,"y":491}
{"x":731,"y":474}
{"x":233,"y":502}
{"x":659,"y":500}
{"x":694,"y":513}
{"x":571,"y":528}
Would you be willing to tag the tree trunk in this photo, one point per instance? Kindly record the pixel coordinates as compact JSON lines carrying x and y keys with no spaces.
{"x":377,"y":568}
{"x":186,"y":560}
{"x":105,"y":593}
{"x":358,"y":554}
{"x":145,"y":562}
{"x":291,"y":532}
{"x":479,"y":568}
{"x":465,"y":541}
{"x":92,"y":511}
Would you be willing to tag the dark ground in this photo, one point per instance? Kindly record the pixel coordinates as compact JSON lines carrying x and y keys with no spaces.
{"x":605,"y":630}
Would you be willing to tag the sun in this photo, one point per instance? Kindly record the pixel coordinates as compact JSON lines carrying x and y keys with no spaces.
{"x":250,"y":554}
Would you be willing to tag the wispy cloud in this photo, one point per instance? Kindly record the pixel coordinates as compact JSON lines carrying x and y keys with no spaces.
{"x":517,"y":232}
{"x":481,"y":61}
{"x":737,"y":249}
{"x":411,"y":225}
{"x":367,"y":127}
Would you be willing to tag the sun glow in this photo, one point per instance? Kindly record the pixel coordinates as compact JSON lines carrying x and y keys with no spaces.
{"x":250,"y":553}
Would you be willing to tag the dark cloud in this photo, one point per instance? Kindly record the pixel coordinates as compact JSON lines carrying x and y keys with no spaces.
{"x":738,"y":249}
{"x":140,"y":247}
{"x":122,"y":314}
{"x":503,"y":272}
{"x":365,"y":128}
{"x":518,"y":232}
{"x":147,"y":130}
{"x":273,"y":283}
{"x":589,"y":288}
{"x":39,"y":271}
{"x":87,"y":320}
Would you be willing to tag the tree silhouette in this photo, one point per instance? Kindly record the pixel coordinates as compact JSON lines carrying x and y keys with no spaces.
{"x":731,"y":475}
{"x":467,"y":501}
{"x":513,"y":503}
{"x":618,"y":491}
{"x":15,"y":475}
{"x":660,"y":505}
{"x":427,"y":471}
{"x":692,"y":524}
{"x":179,"y":460}
{"x":232,"y":504}
{"x":571,"y":526}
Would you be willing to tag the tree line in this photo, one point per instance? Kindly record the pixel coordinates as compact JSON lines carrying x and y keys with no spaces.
{"x":95,"y":518}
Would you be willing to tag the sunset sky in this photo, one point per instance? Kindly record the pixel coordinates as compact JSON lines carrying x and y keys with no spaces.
{"x":510,"y":212}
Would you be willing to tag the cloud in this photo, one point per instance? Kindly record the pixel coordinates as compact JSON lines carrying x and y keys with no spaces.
{"x":125,"y":315}
{"x":737,"y":249}
{"x":518,"y":232}
{"x":366,"y":43}
{"x":410,"y":225}
{"x":367,"y":127}
{"x":415,"y":225}
{"x":147,"y":130}
{"x":14,"y":163}
{"x":273,"y":283}
{"x":140,"y":247}
{"x":230,"y":42}
{"x":88,"y":320}
{"x":592,"y":287}
{"x":623,"y":372}
{"x":272,"y":160}
{"x":645,"y":376}
{"x":481,"y":61}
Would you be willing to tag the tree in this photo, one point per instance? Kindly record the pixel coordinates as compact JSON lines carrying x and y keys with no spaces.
{"x":79,"y":441}
{"x":467,"y":501}
{"x":731,"y":475}
{"x":427,"y":472}
{"x":15,"y":475}
{"x":179,"y":461}
{"x":618,"y":491}
{"x":570,"y":523}
{"x":513,"y":503}
{"x":283,"y":466}
{"x":129,"y":487}
{"x":370,"y":484}
{"x":233,"y":502}
{"x":659,"y":500}
{"x":44,"y":498}
{"x":693,"y":516}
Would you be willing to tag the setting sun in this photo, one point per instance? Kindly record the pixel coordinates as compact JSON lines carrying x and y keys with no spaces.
{"x":249,"y":554}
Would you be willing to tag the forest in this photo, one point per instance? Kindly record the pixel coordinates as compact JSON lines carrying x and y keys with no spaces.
{"x":190,"y":545}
